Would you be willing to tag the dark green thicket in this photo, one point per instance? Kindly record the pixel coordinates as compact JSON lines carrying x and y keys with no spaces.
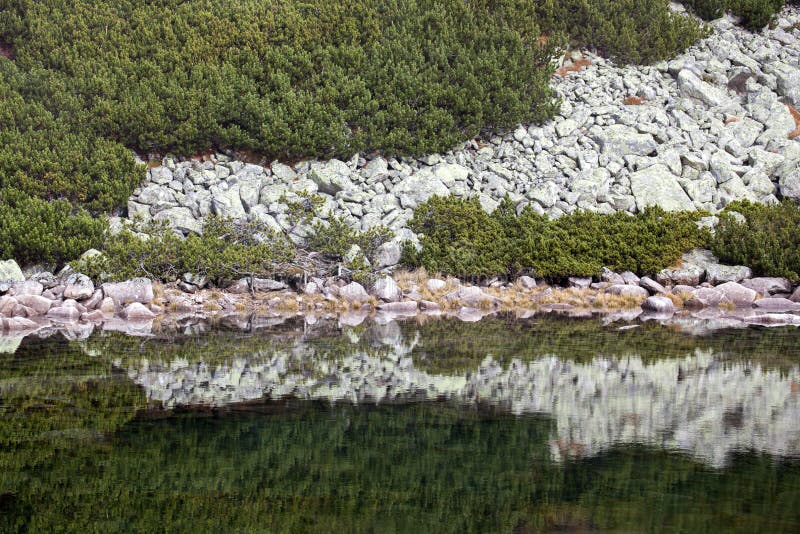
{"x":755,"y":14}
{"x":228,"y":250}
{"x":460,"y":239}
{"x":767,"y":241}
{"x":636,"y":31}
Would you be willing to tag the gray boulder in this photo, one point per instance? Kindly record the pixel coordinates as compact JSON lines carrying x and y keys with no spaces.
{"x":686,"y":275}
{"x":526,"y":282}
{"x":653,"y":287}
{"x":657,"y":186}
{"x":408,"y":307}
{"x":435,"y":284}
{"x":387,"y":290}
{"x":709,"y":297}
{"x":331,"y":177}
{"x":40,"y":305}
{"x":777,"y":304}
{"x":719,"y":274}
{"x":28,"y":287}
{"x":619,"y":140}
{"x":768,"y":285}
{"x":580,"y":282}
{"x":137,"y":290}
{"x":625,"y":290}
{"x":264,"y":285}
{"x":658,"y":305}
{"x":227,"y":203}
{"x":691,"y":85}
{"x":354,"y":293}
{"x":62,"y":313}
{"x":180,"y":219}
{"x":790,"y":185}
{"x":137,"y":312}
{"x":739,"y":295}
{"x":419,"y":187}
{"x":78,"y":286}
{"x":788,"y":80}
{"x":10,"y":272}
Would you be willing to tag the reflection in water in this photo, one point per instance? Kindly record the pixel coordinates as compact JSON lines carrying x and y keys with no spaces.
{"x":700,"y":403}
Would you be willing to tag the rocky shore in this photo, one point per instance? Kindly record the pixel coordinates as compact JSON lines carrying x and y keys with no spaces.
{"x":699,"y":286}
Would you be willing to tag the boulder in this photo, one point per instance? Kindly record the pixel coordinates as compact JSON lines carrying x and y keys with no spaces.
{"x":408,"y":307}
{"x":180,"y":219}
{"x":240,"y":287}
{"x":658,"y":305}
{"x":580,"y":282}
{"x":7,"y":305}
{"x":630,"y":278}
{"x":17,"y":324}
{"x":10,"y":272}
{"x":691,"y":85}
{"x":137,"y":290}
{"x":738,"y":295}
{"x":651,"y":285}
{"x":768,"y":285}
{"x":387,"y":290}
{"x":657,"y":186}
{"x":618,"y":140}
{"x":137,"y":312}
{"x":607,"y":275}
{"x":107,"y":305}
{"x":419,"y":187}
{"x":719,"y":274}
{"x":227,"y":203}
{"x":687,"y":275}
{"x":331,"y":177}
{"x":94,"y":301}
{"x":777,"y":304}
{"x":788,"y":81}
{"x":38,"y":304}
{"x":354,"y":293}
{"x":709,"y":297}
{"x":28,"y":287}
{"x":389,"y":254}
{"x":67,"y":314}
{"x":78,"y":286}
{"x":625,"y":290}
{"x":434,"y":284}
{"x":264,"y":285}
{"x":526,"y":282}
{"x":790,"y":184}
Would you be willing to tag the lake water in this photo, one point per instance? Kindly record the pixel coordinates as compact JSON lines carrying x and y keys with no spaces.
{"x":435,"y":425}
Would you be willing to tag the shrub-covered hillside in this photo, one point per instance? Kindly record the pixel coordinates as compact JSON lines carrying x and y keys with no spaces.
{"x":83,"y":81}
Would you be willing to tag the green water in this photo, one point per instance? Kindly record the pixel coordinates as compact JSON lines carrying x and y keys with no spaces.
{"x":499,"y":426}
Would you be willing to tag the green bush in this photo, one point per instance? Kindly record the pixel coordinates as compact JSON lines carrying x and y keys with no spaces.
{"x":755,"y":14}
{"x":766,"y":241}
{"x":459,"y":238}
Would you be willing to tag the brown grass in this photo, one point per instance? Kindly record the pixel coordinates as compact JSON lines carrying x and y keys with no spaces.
{"x":633,"y":101}
{"x":576,"y":66}
{"x":730,"y":120}
{"x":794,"y":134}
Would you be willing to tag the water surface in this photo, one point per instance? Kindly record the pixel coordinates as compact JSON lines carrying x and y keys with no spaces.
{"x":504,"y":425}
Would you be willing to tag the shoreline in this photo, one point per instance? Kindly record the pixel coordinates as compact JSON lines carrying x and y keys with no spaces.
{"x":694,"y":290}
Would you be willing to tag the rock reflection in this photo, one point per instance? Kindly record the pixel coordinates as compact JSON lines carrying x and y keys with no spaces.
{"x":699,"y":403}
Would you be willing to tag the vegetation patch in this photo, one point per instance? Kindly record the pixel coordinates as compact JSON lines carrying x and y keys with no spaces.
{"x":459,"y":238}
{"x":766,"y":240}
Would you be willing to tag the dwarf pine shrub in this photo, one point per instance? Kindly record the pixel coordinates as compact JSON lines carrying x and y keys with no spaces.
{"x":766,"y":240}
{"x":755,"y":14}
{"x":459,"y":238}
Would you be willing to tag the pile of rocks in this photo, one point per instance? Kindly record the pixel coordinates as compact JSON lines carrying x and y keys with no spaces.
{"x":709,"y":127}
{"x":27,"y":304}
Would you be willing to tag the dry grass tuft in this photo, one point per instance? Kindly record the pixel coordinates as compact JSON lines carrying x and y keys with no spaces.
{"x":679,"y":299}
{"x":731,"y":120}
{"x":576,"y":66}
{"x":794,"y":134}
{"x":634,"y":101}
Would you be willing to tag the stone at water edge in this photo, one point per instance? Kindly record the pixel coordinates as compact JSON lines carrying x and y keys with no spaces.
{"x":768,"y":285}
{"x":137,"y":312}
{"x":435,"y":284}
{"x":707,"y":297}
{"x":64,"y":314}
{"x":526,"y":282}
{"x":407,"y":307}
{"x":651,"y":285}
{"x":625,"y":290}
{"x":739,"y":295}
{"x":28,"y":287}
{"x":266,"y":284}
{"x":777,"y":304}
{"x":40,"y":305}
{"x":78,"y":286}
{"x":10,"y":272}
{"x":354,"y":293}
{"x":137,"y":290}
{"x":17,"y":324}
{"x":658,"y":305}
{"x":387,"y":290}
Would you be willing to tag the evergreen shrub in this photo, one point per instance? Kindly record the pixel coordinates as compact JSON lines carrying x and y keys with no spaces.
{"x":767,"y":240}
{"x":459,"y":238}
{"x":755,"y":14}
